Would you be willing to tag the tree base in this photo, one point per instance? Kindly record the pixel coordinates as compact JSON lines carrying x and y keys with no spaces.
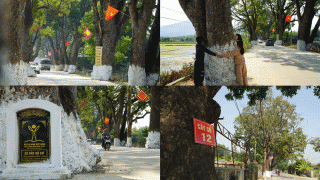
{"x":28,"y":171}
{"x":117,"y":142}
{"x":153,"y":79}
{"x":136,"y":76}
{"x":278,"y":42}
{"x":301,"y":45}
{"x":58,"y":67}
{"x":129,"y":142}
{"x":220,"y":71}
{"x":102,"y":73}
{"x":14,"y":74}
{"x":30,"y":72}
{"x":72,"y":69}
{"x":66,"y":68}
{"x":153,"y":140}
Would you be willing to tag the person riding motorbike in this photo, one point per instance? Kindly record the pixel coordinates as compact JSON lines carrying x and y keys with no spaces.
{"x":105,"y":135}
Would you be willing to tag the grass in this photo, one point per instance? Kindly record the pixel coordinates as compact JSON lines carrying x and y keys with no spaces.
{"x":187,"y":70}
{"x":84,"y":75}
{"x":291,"y":46}
{"x":169,"y":49}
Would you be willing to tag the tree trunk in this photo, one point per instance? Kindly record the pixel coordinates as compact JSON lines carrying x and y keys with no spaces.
{"x":152,"y":51}
{"x":140,"y":22}
{"x":305,"y":22}
{"x":5,"y":9}
{"x":77,"y":154}
{"x":107,"y":35}
{"x":212,"y":20}
{"x":129,"y":119}
{"x":180,"y":156}
{"x":153,"y":139}
{"x":74,"y":50}
{"x":118,"y":117}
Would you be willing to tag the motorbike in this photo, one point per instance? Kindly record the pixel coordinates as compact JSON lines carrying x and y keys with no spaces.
{"x":106,"y":142}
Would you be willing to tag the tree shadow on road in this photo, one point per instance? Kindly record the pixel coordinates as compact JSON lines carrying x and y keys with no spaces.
{"x":304,"y":60}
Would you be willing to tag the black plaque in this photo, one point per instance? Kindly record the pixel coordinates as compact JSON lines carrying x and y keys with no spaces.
{"x":34,"y":135}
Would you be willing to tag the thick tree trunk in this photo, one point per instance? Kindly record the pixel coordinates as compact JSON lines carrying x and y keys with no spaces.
{"x":140,"y":22}
{"x":5,"y":11}
{"x":107,"y":35}
{"x":77,"y":154}
{"x":118,"y":117}
{"x":180,"y":156}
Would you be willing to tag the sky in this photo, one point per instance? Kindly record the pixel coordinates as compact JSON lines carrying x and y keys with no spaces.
{"x":171,"y":9}
{"x":307,"y":106}
{"x":142,"y":122}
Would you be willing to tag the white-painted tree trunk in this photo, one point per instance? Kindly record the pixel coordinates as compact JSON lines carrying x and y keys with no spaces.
{"x":72,"y":69}
{"x":136,"y":76}
{"x":301,"y":45}
{"x":116,"y":142}
{"x":129,"y":142}
{"x":220,"y":71}
{"x":77,"y":154}
{"x":102,"y":73}
{"x":14,"y":74}
{"x":278,"y":42}
{"x":66,"y":68}
{"x":30,"y":72}
{"x":58,"y":67}
{"x":153,"y":140}
{"x":153,"y":79}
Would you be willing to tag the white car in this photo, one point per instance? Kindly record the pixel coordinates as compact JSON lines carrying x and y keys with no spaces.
{"x":35,"y":66}
{"x":260,"y":41}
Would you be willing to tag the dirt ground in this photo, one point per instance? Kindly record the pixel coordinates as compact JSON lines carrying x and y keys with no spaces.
{"x":122,"y":163}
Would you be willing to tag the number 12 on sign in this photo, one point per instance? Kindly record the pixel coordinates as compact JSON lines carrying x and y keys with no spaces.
{"x":204,"y":133}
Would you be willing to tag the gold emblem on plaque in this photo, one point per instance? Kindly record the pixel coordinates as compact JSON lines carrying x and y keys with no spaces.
{"x":34,"y":129}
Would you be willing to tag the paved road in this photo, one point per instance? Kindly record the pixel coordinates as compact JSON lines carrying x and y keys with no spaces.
{"x":284,"y":176}
{"x":124,"y":163}
{"x":279,"y":65}
{"x":49,"y":78}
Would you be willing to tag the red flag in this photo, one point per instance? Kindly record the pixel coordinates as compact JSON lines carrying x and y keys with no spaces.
{"x":36,"y":28}
{"x":142,"y":96}
{"x":288,"y":18}
{"x":255,"y":161}
{"x":67,"y":43}
{"x":83,"y":103}
{"x":111,"y":12}
{"x":273,"y":30}
{"x":87,"y":33}
{"x":57,"y":50}
{"x":106,"y":120}
{"x":92,"y":134}
{"x":99,"y":128}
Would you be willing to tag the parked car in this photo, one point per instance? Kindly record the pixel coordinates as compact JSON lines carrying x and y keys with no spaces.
{"x":270,"y":42}
{"x":260,"y":41}
{"x":35,"y":66}
{"x":45,"y":64}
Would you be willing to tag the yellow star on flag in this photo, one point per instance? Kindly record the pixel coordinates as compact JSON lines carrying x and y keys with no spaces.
{"x":111,"y":12}
{"x":87,"y":32}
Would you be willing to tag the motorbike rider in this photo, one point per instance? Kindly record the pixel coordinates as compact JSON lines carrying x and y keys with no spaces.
{"x":104,"y":135}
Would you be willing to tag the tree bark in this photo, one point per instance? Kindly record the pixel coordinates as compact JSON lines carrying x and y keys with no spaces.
{"x":154,"y":124}
{"x":129,"y":119}
{"x":181,"y":157}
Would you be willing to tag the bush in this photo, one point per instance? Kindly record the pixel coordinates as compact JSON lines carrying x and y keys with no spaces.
{"x":168,"y":77}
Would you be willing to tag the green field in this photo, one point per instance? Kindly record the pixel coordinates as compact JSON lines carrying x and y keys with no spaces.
{"x":171,"y":49}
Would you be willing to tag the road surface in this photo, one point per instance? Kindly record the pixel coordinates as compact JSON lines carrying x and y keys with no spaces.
{"x":50,"y":78}
{"x":279,"y":65}
{"x":124,"y":163}
{"x":284,"y":176}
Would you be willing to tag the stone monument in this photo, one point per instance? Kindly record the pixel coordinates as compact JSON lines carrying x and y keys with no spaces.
{"x":33,"y":143}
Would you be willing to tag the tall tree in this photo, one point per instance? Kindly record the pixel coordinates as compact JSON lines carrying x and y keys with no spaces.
{"x":252,"y":13}
{"x":108,"y":34}
{"x":140,"y":12}
{"x":129,"y":119}
{"x":212,"y":20}
{"x":280,"y":9}
{"x":305,"y":22}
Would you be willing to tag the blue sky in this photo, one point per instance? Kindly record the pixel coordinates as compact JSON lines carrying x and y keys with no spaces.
{"x":307,"y":106}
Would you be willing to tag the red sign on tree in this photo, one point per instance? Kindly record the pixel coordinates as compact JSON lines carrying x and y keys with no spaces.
{"x":288,"y":18}
{"x":204,"y":133}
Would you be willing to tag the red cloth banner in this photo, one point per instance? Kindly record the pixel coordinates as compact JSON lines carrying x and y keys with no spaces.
{"x":273,"y":30}
{"x":142,"y":96}
{"x":87,"y":33}
{"x":106,"y":120}
{"x":83,"y":103}
{"x":67,"y":43}
{"x":204,"y":133}
{"x":288,"y":18}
